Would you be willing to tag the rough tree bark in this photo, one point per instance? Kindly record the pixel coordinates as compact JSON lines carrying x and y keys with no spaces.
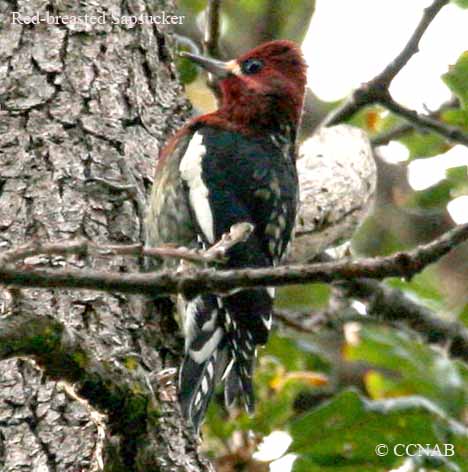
{"x":83,"y":111}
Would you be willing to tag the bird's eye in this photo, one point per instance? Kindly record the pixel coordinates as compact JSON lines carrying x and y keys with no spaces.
{"x":251,"y":66}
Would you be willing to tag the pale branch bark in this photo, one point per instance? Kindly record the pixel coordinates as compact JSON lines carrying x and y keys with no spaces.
{"x":194,"y":282}
{"x":337,"y":181}
{"x":82,"y":247}
{"x":376,"y":90}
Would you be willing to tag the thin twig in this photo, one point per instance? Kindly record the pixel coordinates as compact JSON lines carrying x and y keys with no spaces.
{"x":212,"y":30}
{"x":238,"y":233}
{"x":115,"y":187}
{"x":187,"y":42}
{"x":194,"y":282}
{"x":423,"y":121}
{"x":297,"y":321}
{"x":392,"y":134}
{"x":211,"y":40}
{"x":404,"y":128}
{"x":412,"y":46}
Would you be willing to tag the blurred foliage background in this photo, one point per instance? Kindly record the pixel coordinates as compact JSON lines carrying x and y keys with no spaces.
{"x":345,"y":382}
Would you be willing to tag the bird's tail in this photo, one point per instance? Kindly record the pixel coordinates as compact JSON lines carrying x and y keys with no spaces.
{"x":221,"y":335}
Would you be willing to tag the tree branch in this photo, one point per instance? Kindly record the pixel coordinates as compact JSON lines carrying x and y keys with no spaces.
{"x":404,"y":128}
{"x":387,"y":304}
{"x":192,"y":283}
{"x":423,"y":121}
{"x":368,"y":92}
{"x":212,"y":29}
{"x":392,"y":305}
{"x":376,"y":90}
{"x":211,"y":40}
{"x":412,"y":46}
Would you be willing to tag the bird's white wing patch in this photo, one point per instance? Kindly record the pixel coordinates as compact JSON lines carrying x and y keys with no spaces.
{"x":191,"y":172}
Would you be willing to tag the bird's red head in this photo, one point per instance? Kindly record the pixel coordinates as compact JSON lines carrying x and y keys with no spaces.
{"x":262,"y":89}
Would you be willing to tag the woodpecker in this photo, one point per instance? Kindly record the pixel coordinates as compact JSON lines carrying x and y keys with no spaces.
{"x":234,"y":165}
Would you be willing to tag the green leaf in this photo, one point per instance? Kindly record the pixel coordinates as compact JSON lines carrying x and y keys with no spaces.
{"x":187,"y":70}
{"x":343,"y":433}
{"x":275,"y":385}
{"x":433,"y":462}
{"x":286,"y":353}
{"x":458,"y":174}
{"x":216,"y":425}
{"x":438,"y":195}
{"x":456,"y":117}
{"x":461,"y":3}
{"x":371,"y":120}
{"x":435,"y":196}
{"x":424,"y":145}
{"x":463,"y":316}
{"x":288,"y":20}
{"x":412,"y":366}
{"x":425,"y":286}
{"x":303,"y":297}
{"x":193,"y":6}
{"x":458,"y":177}
{"x":457,"y":78}
{"x":374,"y":239}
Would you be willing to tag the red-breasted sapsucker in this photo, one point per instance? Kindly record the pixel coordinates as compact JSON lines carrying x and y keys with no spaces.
{"x":231,"y":166}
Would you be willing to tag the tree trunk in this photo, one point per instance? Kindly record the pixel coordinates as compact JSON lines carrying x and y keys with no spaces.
{"x":83,"y":111}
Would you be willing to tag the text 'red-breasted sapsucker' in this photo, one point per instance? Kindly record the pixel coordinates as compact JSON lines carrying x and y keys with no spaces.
{"x":231,"y":166}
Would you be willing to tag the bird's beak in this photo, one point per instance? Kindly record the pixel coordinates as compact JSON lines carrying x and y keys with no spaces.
{"x":219,"y":69}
